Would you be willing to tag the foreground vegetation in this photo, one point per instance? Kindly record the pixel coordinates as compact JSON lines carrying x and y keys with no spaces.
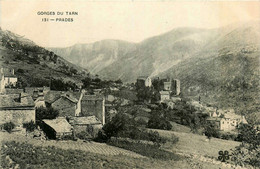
{"x":25,"y":155}
{"x":148,"y":150}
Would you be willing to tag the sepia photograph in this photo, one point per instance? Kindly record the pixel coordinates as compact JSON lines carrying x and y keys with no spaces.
{"x":113,"y":84}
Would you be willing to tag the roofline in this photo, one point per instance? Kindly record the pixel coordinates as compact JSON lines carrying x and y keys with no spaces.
{"x":18,"y":108}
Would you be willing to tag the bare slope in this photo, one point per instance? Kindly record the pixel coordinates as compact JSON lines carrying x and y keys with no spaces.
{"x":34,"y":63}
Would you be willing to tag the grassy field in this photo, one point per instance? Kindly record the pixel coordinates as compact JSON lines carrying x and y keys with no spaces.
{"x":71,"y":154}
{"x":197,"y":144}
{"x":24,"y":155}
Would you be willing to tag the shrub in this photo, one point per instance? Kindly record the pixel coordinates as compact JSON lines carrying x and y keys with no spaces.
{"x":123,"y":126}
{"x":20,"y":71}
{"x":30,"y":126}
{"x":249,"y":151}
{"x":8,"y":126}
{"x":46,"y":113}
{"x":83,"y":135}
{"x":67,"y":137}
{"x":211,"y":131}
{"x":158,"y":121}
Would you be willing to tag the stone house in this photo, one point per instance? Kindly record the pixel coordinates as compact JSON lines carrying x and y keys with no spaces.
{"x":173,"y":86}
{"x":89,"y":124}
{"x":226,"y":120}
{"x":93,"y":105}
{"x":165,"y":95}
{"x":9,"y":77}
{"x":17,"y":108}
{"x":56,"y":128}
{"x":68,"y":105}
{"x":144,"y":81}
{"x":37,"y":94}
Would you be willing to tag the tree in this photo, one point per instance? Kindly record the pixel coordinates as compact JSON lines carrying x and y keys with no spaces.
{"x":211,"y":131}
{"x":144,"y":94}
{"x":121,"y":122}
{"x":159,"y":121}
{"x":46,"y":113}
{"x":248,"y":152}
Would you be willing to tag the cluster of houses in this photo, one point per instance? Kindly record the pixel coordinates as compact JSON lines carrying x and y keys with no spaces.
{"x":224,"y":120}
{"x":78,"y":111}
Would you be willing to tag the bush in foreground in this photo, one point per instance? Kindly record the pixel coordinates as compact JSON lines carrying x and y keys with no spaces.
{"x":9,"y":126}
{"x":123,"y":126}
{"x":30,"y":126}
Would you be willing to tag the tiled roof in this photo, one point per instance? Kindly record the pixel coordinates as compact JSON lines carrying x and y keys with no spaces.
{"x":214,"y":119}
{"x":232,"y":116}
{"x":13,"y":91}
{"x":52,"y":96}
{"x":86,"y":120}
{"x":13,"y":101}
{"x":164,"y":92}
{"x":60,"y":125}
{"x":92,"y":97}
{"x":70,"y":98}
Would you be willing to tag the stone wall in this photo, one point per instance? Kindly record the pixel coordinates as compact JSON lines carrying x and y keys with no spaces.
{"x":18,"y":117}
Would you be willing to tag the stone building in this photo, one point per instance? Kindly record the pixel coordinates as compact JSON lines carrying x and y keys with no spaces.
{"x":57,"y":128}
{"x":173,"y":86}
{"x":143,"y":81}
{"x":165,"y":95}
{"x":89,"y":124}
{"x":9,"y":77}
{"x":93,"y":105}
{"x":226,"y":120}
{"x":38,"y":94}
{"x":17,"y":108}
{"x":68,"y":104}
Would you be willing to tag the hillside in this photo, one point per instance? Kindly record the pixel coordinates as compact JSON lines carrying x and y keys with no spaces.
{"x":33,"y":64}
{"x":220,"y":65}
{"x":96,"y":56}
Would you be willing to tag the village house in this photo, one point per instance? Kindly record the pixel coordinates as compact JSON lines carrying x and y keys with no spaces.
{"x":93,"y":105}
{"x":226,"y":120}
{"x":91,"y":124}
{"x":17,"y":108}
{"x":173,"y":86}
{"x":144,"y":81}
{"x":171,"y":90}
{"x":56,"y":128}
{"x":165,"y":95}
{"x":37,"y":94}
{"x":68,"y":104}
{"x":9,"y":77}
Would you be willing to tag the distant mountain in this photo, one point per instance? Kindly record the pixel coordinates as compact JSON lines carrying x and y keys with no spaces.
{"x":96,"y":56}
{"x":115,"y":59}
{"x":34,"y":65}
{"x":220,"y":65}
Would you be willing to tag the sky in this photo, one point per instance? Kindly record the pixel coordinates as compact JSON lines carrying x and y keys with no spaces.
{"x":131,"y":21}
